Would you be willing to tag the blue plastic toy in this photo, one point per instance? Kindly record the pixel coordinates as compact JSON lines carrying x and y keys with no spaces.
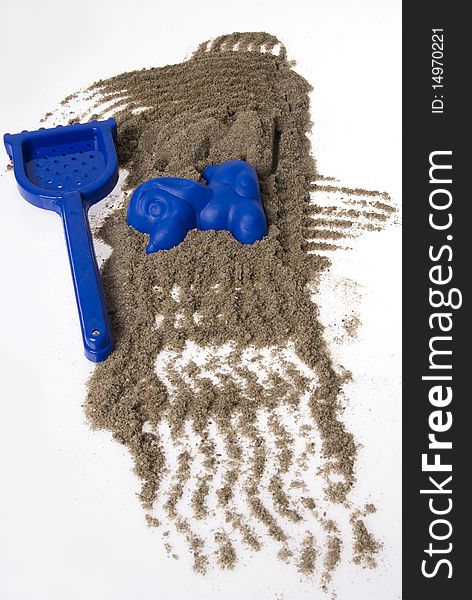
{"x":67,"y":169}
{"x":168,"y":208}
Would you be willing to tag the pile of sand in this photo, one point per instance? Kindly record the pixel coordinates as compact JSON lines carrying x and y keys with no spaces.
{"x":221,"y":385}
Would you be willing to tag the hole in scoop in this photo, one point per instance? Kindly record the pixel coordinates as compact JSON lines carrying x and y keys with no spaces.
{"x":95,"y":332}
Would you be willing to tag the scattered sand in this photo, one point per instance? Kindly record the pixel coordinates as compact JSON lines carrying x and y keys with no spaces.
{"x":240,"y":306}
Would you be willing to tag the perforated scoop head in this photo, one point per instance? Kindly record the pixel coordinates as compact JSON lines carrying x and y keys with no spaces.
{"x":79,"y":157}
{"x":67,"y":169}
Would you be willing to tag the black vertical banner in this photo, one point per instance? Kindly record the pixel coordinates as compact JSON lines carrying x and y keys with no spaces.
{"x":437,"y":238}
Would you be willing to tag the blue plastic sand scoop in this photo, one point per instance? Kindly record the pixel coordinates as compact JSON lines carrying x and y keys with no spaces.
{"x":67,"y":169}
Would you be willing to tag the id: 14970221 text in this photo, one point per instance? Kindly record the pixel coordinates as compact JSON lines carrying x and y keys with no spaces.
{"x":437,"y":70}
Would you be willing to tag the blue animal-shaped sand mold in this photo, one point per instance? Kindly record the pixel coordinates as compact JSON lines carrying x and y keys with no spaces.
{"x":167,"y":208}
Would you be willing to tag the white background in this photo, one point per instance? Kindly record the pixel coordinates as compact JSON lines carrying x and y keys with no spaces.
{"x":70,"y":525}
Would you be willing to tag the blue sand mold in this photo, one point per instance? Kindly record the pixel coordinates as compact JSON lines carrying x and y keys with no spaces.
{"x":167,"y":208}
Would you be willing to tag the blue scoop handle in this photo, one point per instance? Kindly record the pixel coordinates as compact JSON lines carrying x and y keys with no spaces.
{"x":94,"y":322}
